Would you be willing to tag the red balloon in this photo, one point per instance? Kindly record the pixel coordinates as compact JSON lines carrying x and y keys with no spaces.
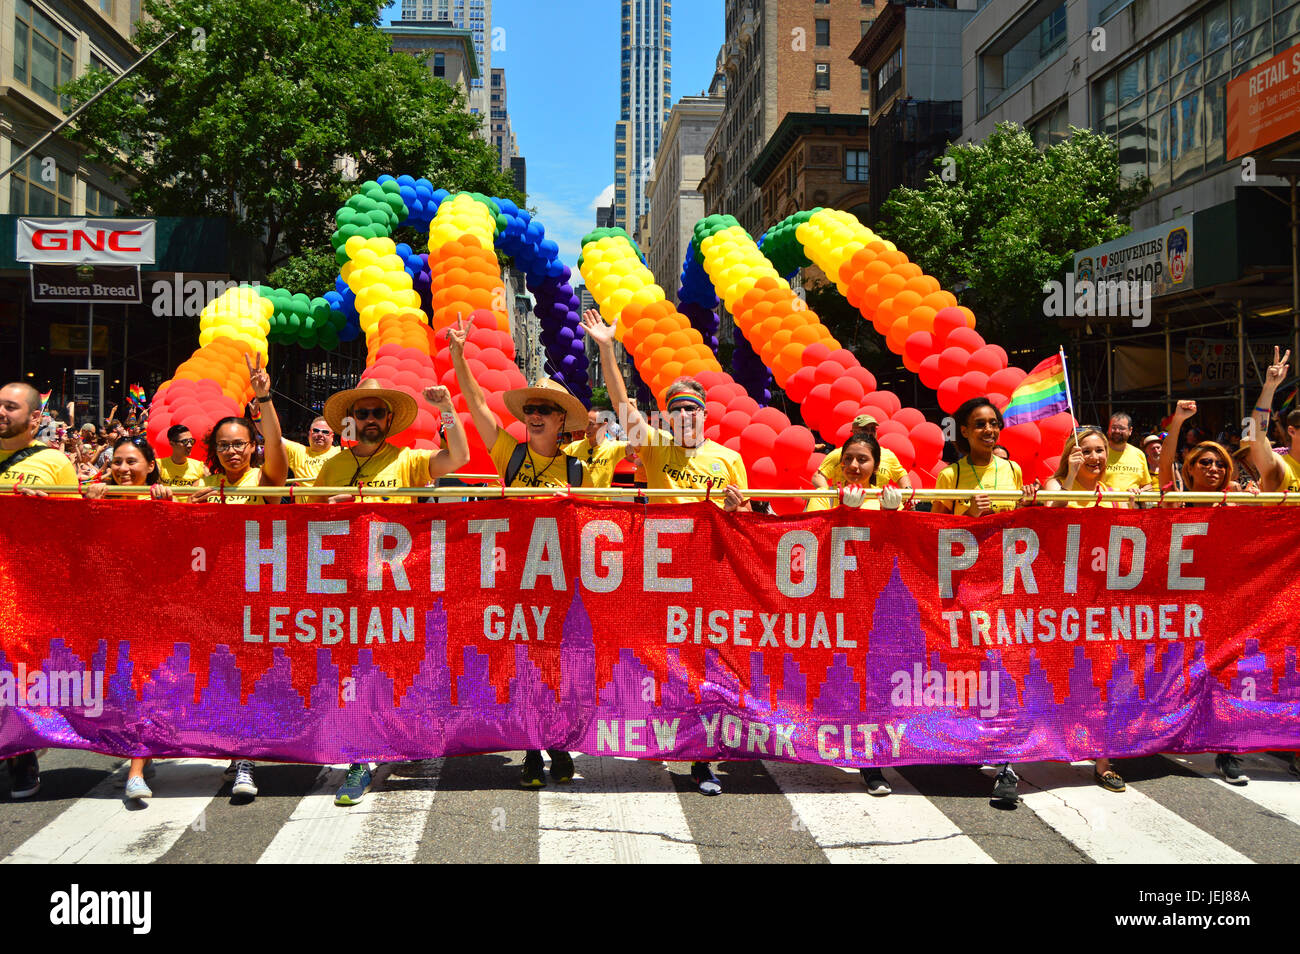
{"x":772,"y":417}
{"x":745,"y":404}
{"x":1000,"y":353}
{"x":889,"y":401}
{"x":762,"y":473}
{"x":732,"y":423}
{"x":1022,"y":442}
{"x":901,"y":446}
{"x":909,"y":417}
{"x":952,"y":362}
{"x":966,"y":338}
{"x":972,"y":384}
{"x":799,"y":383}
{"x":1006,"y":380}
{"x":863,"y":377}
{"x":733,"y":443}
{"x":1000,"y":401}
{"x":815,"y":354}
{"x":986,"y":360}
{"x":792,"y":448}
{"x":947,"y":392}
{"x":927,"y":441}
{"x":724,"y":393}
{"x":715,"y":411}
{"x":929,"y":373}
{"x":918,"y":346}
{"x":847,"y":389}
{"x":1055,"y":430}
{"x":947,"y":321}
{"x":828,"y":372}
{"x":844,"y":358}
{"x":844,"y":411}
{"x":713,"y":432}
{"x":817,"y":405}
{"x":711,"y":378}
{"x":891,"y":427}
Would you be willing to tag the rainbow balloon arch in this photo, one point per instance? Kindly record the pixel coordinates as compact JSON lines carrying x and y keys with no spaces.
{"x":400,"y":300}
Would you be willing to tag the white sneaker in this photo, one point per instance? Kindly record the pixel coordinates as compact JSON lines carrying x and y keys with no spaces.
{"x":244,"y":779}
{"x":136,"y":787}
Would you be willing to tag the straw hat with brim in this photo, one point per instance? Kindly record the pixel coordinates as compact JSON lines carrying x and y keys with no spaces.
{"x":339,"y":406}
{"x":547,"y":391}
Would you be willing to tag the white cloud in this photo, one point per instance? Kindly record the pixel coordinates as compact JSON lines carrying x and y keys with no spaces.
{"x":605,"y":198}
{"x":566,"y":223}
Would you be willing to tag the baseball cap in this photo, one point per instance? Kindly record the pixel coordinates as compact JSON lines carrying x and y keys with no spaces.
{"x":863,"y":420}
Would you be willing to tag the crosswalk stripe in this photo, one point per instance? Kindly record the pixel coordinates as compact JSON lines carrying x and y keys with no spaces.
{"x":385,"y":827}
{"x":852,"y":826}
{"x":1271,"y":786}
{"x":619,"y":811}
{"x":102,"y":828}
{"x":1115,"y":827}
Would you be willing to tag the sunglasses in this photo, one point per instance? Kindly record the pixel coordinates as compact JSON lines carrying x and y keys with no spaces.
{"x":317,"y":430}
{"x":543,"y":410}
{"x":225,"y":446}
{"x":1210,"y":462}
{"x":365,"y":413}
{"x":188,"y":442}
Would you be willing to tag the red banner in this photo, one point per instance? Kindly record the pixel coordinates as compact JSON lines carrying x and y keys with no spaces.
{"x":335,"y":633}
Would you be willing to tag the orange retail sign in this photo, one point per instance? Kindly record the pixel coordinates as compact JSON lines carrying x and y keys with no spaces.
{"x":1264,"y":104}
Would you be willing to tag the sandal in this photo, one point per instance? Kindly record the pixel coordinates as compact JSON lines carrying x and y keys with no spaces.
{"x":1109,"y":781}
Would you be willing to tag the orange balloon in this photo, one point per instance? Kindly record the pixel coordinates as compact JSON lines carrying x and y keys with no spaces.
{"x":920,"y":318}
{"x":861,"y":259}
{"x":908,"y":270}
{"x":892,"y":259}
{"x":970,"y":316}
{"x":660,"y":357}
{"x":923,"y":285}
{"x":678,"y":341}
{"x":671,"y":372}
{"x":807,"y":334}
{"x":940,"y":300}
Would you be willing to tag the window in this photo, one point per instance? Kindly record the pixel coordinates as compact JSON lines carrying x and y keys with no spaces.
{"x":440,"y":64}
{"x":855,"y":165}
{"x":821,"y":109}
{"x":99,"y":203}
{"x":823,"y":28}
{"x":889,"y":78}
{"x":866,"y":79}
{"x":866,"y":25}
{"x":1051,"y":32}
{"x":43,"y":52}
{"x":31,"y":194}
{"x":823,"y":76}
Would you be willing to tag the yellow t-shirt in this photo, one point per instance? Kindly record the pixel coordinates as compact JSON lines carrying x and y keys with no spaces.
{"x":671,"y":467}
{"x":187,"y":474}
{"x":306,"y":460}
{"x":1126,"y":468}
{"x":600,"y":461}
{"x":252,"y":477}
{"x":48,"y":466}
{"x":387,"y":467}
{"x":890,"y":468}
{"x":1085,"y":504}
{"x":536,"y":470}
{"x":999,"y":474}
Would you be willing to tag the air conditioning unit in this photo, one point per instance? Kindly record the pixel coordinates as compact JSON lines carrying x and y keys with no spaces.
{"x":823,"y":68}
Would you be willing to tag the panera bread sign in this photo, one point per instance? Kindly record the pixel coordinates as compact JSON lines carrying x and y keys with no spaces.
{"x":1264,"y":104}
{"x":85,"y":241}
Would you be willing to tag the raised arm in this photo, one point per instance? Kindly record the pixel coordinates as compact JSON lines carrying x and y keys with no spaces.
{"x":1271,"y":469}
{"x":603,"y":334}
{"x":455,"y":449}
{"x":1169,"y":446}
{"x":275,"y":468}
{"x":485,"y":422}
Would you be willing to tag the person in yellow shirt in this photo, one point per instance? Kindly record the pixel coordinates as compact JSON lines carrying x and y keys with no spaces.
{"x":857,"y":469}
{"x":682,"y":460}
{"x":230,"y":455}
{"x":979,"y":424}
{"x":378,"y":413}
{"x":23,"y":459}
{"x":1276,"y":471}
{"x":890,"y":469}
{"x":1126,"y":466}
{"x":306,"y":460}
{"x":1083,"y":466}
{"x":597,"y":451}
{"x":180,"y":469}
{"x":548,"y":411}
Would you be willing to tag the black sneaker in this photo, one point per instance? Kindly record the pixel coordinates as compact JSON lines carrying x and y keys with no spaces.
{"x":532,"y":775}
{"x":1004,"y":786}
{"x":25,"y":775}
{"x":875,"y":781}
{"x":1294,"y":767}
{"x":1229,"y":767}
{"x":705,"y":779}
{"x":561,"y":765}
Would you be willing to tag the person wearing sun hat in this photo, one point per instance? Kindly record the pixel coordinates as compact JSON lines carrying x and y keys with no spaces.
{"x":377,"y":414}
{"x":829,"y":474}
{"x":549,"y":412}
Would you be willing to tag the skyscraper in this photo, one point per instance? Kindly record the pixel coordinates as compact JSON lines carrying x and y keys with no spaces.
{"x":646,"y":96}
{"x":472,"y":15}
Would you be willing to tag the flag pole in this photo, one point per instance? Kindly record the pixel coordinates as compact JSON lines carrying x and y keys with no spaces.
{"x":1065,"y":371}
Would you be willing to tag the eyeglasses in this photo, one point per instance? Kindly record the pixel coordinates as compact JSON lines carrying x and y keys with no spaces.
{"x":543,"y":410}
{"x":685,"y":409}
{"x":365,"y":413}
{"x":226,"y":446}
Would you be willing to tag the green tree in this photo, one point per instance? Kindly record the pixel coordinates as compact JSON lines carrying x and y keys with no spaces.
{"x":255,"y":109}
{"x":1000,"y":218}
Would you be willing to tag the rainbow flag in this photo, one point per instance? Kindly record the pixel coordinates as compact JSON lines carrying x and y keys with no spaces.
{"x":45,"y":399}
{"x":135,"y":394}
{"x":1041,"y":394}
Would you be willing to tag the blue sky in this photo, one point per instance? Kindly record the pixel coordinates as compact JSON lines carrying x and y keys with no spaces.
{"x":562,"y":78}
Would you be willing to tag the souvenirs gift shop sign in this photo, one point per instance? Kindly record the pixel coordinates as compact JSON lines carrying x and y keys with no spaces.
{"x":1159,"y":257}
{"x":1212,"y":362}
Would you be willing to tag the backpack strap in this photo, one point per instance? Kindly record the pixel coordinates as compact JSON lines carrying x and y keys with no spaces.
{"x":575,"y":470}
{"x":516,"y":461}
{"x":19,"y":456}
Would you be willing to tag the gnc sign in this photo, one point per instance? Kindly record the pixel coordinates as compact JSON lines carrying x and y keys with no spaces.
{"x":86,"y":241}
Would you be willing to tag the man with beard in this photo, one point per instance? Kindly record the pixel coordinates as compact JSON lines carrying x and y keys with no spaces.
{"x":25,"y":461}
{"x":1126,"y":466}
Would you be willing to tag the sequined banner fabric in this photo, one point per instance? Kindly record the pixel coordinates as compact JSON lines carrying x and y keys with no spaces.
{"x":330,"y":634}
